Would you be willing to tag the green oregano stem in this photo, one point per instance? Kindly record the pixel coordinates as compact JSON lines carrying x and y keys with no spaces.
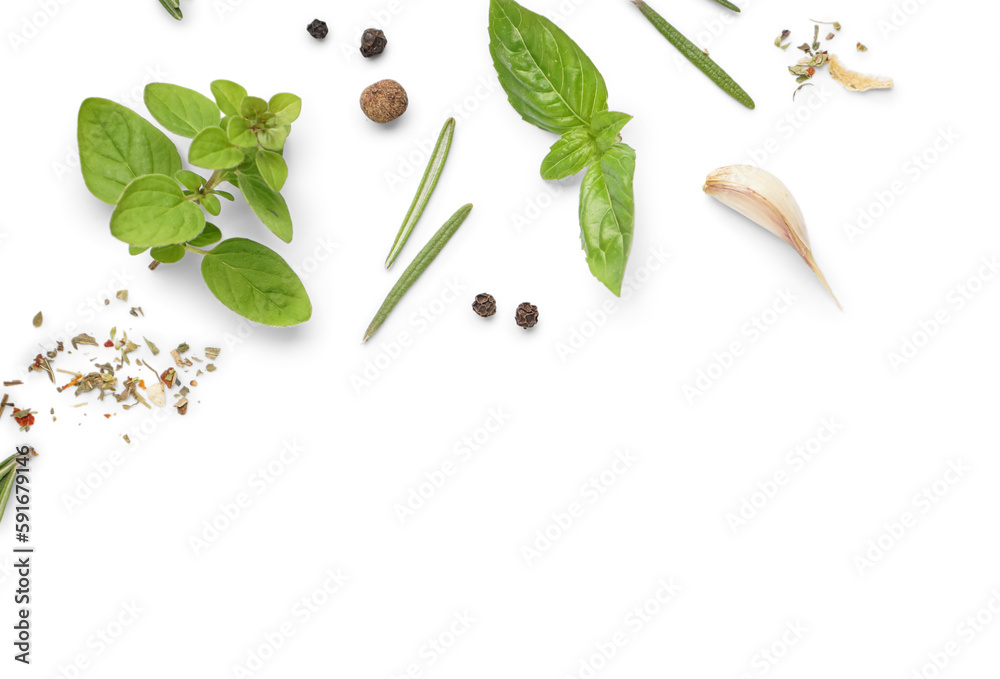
{"x":431,"y":175}
{"x":694,"y":54}
{"x":191,"y":248}
{"x":417,"y":267}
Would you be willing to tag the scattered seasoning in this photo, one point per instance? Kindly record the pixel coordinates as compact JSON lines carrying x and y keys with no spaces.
{"x":3,"y":404}
{"x":42,"y":364}
{"x":695,"y":55}
{"x":780,"y":40}
{"x":83,"y":338}
{"x":109,"y":343}
{"x":835,"y":24}
{"x":182,"y":347}
{"x":194,"y":383}
{"x":127,"y":439}
{"x":526,"y":315}
{"x":484,"y":305}
{"x":799,"y":88}
{"x":212,"y":353}
{"x":122,"y":295}
{"x":12,"y":383}
{"x":136,"y":311}
{"x":168,"y":377}
{"x":417,"y":267}
{"x":373,"y":42}
{"x":24,"y":419}
{"x":862,"y":48}
{"x":318,"y":29}
{"x":37,"y":320}
{"x":430,"y":179}
{"x":830,"y":36}
{"x":210,"y":367}
{"x":152,"y":347}
{"x":384,"y":101}
{"x":182,"y":406}
{"x":181,"y":362}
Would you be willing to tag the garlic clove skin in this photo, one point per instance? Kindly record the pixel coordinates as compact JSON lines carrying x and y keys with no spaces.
{"x":761,"y":197}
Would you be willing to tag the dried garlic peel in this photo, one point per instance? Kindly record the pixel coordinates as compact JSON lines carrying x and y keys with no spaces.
{"x":855,"y":82}
{"x":764,"y":199}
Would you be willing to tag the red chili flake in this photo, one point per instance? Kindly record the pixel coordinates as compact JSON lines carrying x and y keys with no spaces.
{"x":25,"y":421}
{"x":107,"y":415}
{"x":38,"y":361}
{"x":142,"y":384}
{"x":811,"y":71}
{"x":109,"y":344}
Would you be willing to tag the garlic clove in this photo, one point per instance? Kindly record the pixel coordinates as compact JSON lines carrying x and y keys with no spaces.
{"x":764,"y":199}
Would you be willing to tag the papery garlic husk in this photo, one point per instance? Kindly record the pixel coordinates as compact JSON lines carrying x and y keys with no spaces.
{"x":764,"y":199}
{"x":854,"y":81}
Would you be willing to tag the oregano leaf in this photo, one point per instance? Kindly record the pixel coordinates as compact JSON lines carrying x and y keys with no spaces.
{"x":228,"y":96}
{"x":255,"y":282}
{"x":152,"y":211}
{"x":211,"y":149}
{"x":180,"y":110}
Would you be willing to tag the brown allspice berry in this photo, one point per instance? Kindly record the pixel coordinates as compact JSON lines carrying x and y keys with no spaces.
{"x":484,"y":305}
{"x":372,"y":42}
{"x":318,"y":29}
{"x":526,"y":315}
{"x":384,"y":101}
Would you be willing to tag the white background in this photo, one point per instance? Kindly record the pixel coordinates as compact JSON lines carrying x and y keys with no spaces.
{"x":796,"y":562}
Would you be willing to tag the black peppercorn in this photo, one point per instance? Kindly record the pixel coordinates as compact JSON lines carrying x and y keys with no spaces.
{"x":484,"y":305}
{"x":526,"y":315}
{"x":318,"y":29}
{"x":372,"y":42}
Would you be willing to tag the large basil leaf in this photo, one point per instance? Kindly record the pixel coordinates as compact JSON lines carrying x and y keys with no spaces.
{"x":266,"y":203}
{"x":607,"y":215}
{"x":575,"y":150}
{"x":547,"y":77}
{"x":606,"y":127}
{"x":117,"y":145}
{"x":255,"y":282}
{"x":180,"y":110}
{"x":153,"y":211}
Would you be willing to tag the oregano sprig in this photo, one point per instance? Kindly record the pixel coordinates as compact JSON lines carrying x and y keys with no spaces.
{"x":129,"y":163}
{"x":554,"y":85}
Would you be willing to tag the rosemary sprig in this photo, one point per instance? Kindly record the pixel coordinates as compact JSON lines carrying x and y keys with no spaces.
{"x":695,"y":55}
{"x":728,"y":5}
{"x":7,"y":474}
{"x":174,"y":7}
{"x":417,"y":267}
{"x":431,"y":175}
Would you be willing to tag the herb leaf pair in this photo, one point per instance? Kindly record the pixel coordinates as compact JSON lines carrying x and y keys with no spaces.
{"x":552,"y":84}
{"x":129,"y":163}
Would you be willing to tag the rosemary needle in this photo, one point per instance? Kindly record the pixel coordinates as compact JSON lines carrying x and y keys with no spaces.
{"x":431,"y":175}
{"x":174,"y":7}
{"x":695,"y":55}
{"x":417,"y":267}
{"x":728,"y":5}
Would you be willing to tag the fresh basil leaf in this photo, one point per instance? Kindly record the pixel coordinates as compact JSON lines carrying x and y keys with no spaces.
{"x":228,"y":96}
{"x":252,"y":107}
{"x":189,"y":180}
{"x":211,"y":204}
{"x":266,"y":203}
{"x":285,"y":107}
{"x":210,"y":235}
{"x":180,"y":110}
{"x":117,"y":145}
{"x":607,"y":125}
{"x":240,"y":134}
{"x":211,"y":149}
{"x":607,"y":215}
{"x":256,"y":283}
{"x":547,"y":77}
{"x":273,"y":138}
{"x":575,"y":150}
{"x":136,"y":250}
{"x":152,"y":212}
{"x":168,"y":254}
{"x":272,"y":168}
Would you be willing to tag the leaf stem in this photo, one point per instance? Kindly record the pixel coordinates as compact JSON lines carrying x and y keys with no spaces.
{"x":431,"y":175}
{"x":192,"y":248}
{"x":417,"y":267}
{"x":695,"y":55}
